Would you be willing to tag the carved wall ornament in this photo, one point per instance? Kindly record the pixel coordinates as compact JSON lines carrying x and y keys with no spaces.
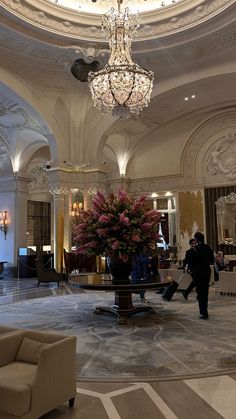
{"x":3,"y":151}
{"x":231,"y":198}
{"x":12,"y":43}
{"x":222,"y":157}
{"x":211,"y":127}
{"x":39,"y":179}
{"x":58,"y":190}
{"x":5,"y":161}
{"x":13,"y":115}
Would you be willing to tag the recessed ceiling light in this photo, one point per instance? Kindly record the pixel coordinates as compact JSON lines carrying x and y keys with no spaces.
{"x":186,"y":98}
{"x":193,"y":96}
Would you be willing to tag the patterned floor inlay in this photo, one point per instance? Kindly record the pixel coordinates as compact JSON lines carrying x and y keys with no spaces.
{"x":191,"y":399}
{"x":170,"y":343}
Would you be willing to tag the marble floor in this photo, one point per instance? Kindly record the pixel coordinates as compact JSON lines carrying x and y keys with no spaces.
{"x":211,"y":397}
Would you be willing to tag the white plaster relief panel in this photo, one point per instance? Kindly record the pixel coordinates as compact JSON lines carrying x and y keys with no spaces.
{"x":5,"y":162}
{"x":39,"y":179}
{"x":12,"y":115}
{"x":200,"y":136}
{"x":222,"y":158}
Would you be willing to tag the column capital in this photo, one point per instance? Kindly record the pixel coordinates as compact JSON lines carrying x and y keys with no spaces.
{"x":58,"y":190}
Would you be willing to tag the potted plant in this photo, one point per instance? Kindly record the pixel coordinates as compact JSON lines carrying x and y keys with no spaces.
{"x":118,"y":226}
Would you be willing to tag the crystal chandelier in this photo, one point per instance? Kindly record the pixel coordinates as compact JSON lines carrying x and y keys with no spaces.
{"x":122,"y":86}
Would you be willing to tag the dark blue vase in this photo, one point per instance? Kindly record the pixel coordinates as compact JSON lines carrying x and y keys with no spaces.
{"x":119,"y":269}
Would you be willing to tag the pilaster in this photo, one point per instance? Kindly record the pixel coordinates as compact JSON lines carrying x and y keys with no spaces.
{"x":58,"y":194}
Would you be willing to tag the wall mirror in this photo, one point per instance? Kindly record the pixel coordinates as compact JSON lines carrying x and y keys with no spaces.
{"x":226,"y":219}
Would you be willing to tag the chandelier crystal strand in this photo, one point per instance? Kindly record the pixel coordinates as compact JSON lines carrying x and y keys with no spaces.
{"x":122,"y":86}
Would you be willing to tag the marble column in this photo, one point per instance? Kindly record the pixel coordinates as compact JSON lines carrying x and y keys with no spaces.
{"x":13,"y":199}
{"x":58,"y":222}
{"x":67,"y":221}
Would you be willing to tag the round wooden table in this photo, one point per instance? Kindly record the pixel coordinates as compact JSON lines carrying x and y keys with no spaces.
{"x":123,"y":305}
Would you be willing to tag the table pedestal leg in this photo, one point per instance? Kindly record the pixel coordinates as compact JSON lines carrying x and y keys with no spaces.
{"x":123,"y":307}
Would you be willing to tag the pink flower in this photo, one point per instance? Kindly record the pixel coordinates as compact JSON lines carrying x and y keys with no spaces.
{"x":103,"y":219}
{"x":123,"y":196}
{"x":115,"y":245}
{"x":146,"y":226}
{"x":101,"y":232}
{"x":124,"y":219}
{"x":152,"y":213}
{"x":117,"y":225}
{"x":101,"y":195}
{"x":125,"y":257}
{"x":136,"y":238}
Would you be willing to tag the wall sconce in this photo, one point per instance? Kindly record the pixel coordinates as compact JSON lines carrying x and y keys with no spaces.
{"x":75,"y":210}
{"x":3,"y":223}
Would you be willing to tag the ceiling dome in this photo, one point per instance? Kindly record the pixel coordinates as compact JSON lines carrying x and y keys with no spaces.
{"x":102,"y":6}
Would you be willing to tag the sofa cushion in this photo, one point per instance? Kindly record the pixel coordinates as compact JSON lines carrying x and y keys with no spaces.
{"x":15,"y":390}
{"x":6,"y":329}
{"x":29,"y":351}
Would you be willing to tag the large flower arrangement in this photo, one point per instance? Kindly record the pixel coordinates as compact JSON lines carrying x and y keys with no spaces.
{"x":116,"y":225}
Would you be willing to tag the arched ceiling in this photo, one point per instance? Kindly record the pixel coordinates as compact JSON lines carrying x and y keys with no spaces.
{"x":190,"y":46}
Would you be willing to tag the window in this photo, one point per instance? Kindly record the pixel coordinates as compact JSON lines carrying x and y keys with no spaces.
{"x":38,"y":224}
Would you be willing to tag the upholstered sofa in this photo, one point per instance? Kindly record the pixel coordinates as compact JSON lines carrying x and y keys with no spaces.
{"x":37,"y":373}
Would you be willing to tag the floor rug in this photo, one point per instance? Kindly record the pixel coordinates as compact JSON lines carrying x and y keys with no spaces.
{"x":170,"y":343}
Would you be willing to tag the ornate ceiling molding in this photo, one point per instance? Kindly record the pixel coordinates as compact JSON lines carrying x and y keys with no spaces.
{"x":38,"y":14}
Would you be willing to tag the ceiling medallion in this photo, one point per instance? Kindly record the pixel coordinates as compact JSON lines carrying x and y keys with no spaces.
{"x":122,"y":86}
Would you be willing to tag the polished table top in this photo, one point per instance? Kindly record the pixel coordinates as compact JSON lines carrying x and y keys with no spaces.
{"x":105,"y":282}
{"x":123,"y":306}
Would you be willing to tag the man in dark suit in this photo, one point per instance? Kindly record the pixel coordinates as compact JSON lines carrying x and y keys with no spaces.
{"x":187,"y":266}
{"x":200,"y":262}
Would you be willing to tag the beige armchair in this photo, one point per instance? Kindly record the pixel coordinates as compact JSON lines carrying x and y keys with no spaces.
{"x":227,"y":282}
{"x":37,"y":373}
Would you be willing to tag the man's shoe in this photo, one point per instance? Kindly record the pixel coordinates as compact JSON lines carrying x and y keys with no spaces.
{"x":202,"y":317}
{"x":184,"y":295}
{"x":143,"y":300}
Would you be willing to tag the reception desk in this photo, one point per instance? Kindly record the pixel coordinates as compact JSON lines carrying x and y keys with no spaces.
{"x":27,"y":267}
{"x":2,"y":268}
